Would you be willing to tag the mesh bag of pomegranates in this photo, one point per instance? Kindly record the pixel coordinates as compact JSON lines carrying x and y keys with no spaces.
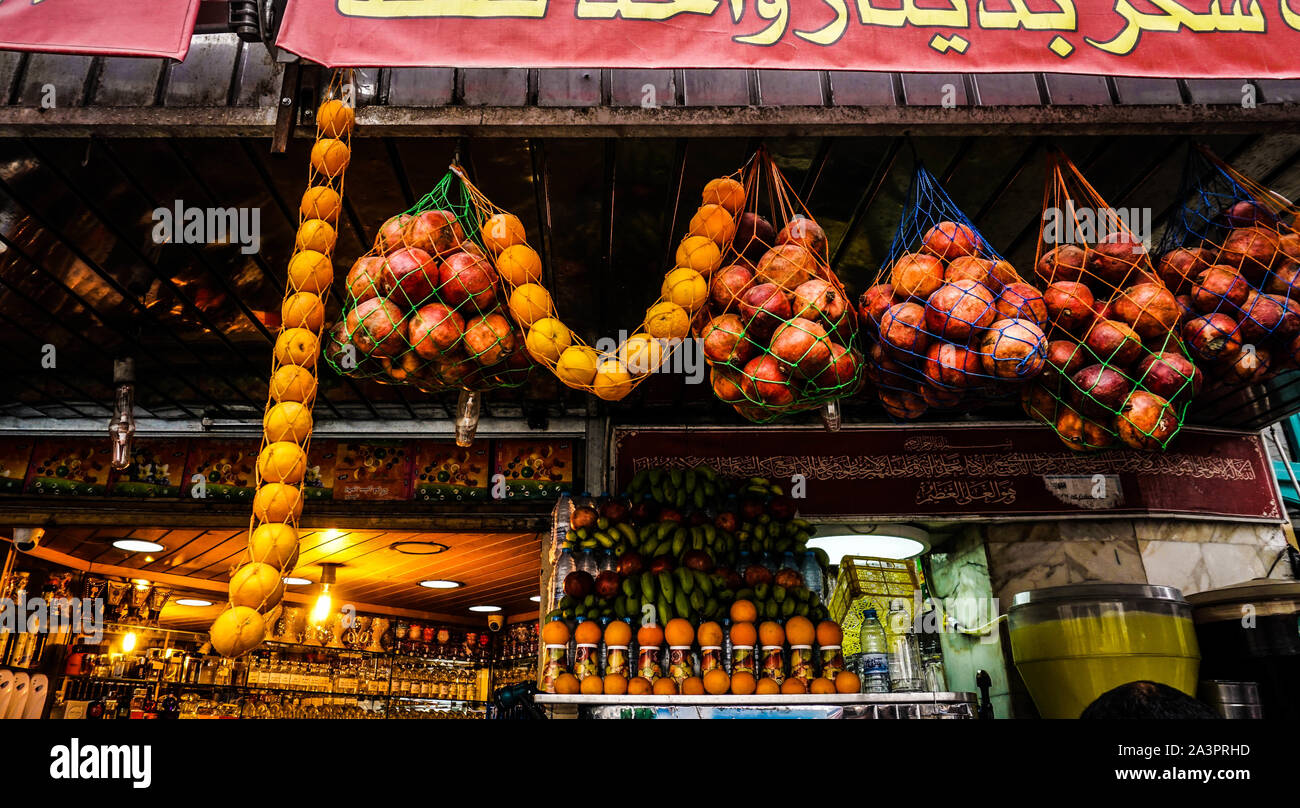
{"x":424,"y":306}
{"x":777,"y":328}
{"x":1232,"y":256}
{"x":953,"y":325}
{"x":1117,"y":372}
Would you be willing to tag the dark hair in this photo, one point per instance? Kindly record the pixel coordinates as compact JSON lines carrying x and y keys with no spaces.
{"x":1147,"y":700}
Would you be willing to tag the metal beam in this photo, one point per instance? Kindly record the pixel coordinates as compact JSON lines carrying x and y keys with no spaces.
{"x":566,"y":426}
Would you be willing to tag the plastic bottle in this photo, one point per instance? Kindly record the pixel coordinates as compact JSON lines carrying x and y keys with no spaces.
{"x":585,"y":560}
{"x":873,"y":662}
{"x":811,"y":571}
{"x":563,"y":566}
{"x":605,"y":561}
{"x":904,"y":655}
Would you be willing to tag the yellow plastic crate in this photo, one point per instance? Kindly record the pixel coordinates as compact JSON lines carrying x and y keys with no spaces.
{"x":865,"y":582}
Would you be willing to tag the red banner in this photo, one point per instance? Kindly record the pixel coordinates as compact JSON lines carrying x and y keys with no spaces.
{"x":1177,"y":38}
{"x":155,"y":28}
{"x":973,"y":471}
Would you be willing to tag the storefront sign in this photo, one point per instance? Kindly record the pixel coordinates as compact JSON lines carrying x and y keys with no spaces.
{"x":156,"y":28}
{"x":1237,"y":39}
{"x":961,"y":471}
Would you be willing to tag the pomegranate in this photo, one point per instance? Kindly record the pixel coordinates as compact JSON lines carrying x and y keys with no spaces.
{"x":1146,"y":422}
{"x":409,"y":277}
{"x":1039,"y":403}
{"x":1098,"y":391}
{"x":392,"y":233}
{"x":1250,"y":367}
{"x":916,"y":275}
{"x":366,"y":279}
{"x":728,"y":285}
{"x":763,"y":308}
{"x":819,"y":300}
{"x":1150,"y":309}
{"x":1248,"y":212}
{"x":875,"y":301}
{"x":902,"y":404}
{"x":756,"y":574}
{"x":466,"y":277}
{"x":1220,"y":288}
{"x":1169,"y":375}
{"x":1069,"y":305}
{"x":935,"y":397}
{"x":435,"y":232}
{"x":1013,"y":349}
{"x":1261,"y":316}
{"x":1020,"y":301}
{"x":579,"y":584}
{"x":947,"y":366}
{"x":1284,"y":281}
{"x":434,"y":329}
{"x":724,"y":340}
{"x":1186,"y":309}
{"x":377,"y":328}
{"x":802,"y":346}
{"x":607,"y":584}
{"x":754,"y":236}
{"x":726,"y":384}
{"x":1113,"y":343}
{"x":949,"y":240}
{"x":1063,"y":359}
{"x":970,"y":268}
{"x":806,"y":233}
{"x":841,"y":371}
{"x":1119,"y":259}
{"x":765,"y":380}
{"x":787,"y":266}
{"x":489,"y":338}
{"x":959,"y":309}
{"x":1288,"y":243}
{"x":1002,"y":274}
{"x":1212,"y":337}
{"x":1080,"y":433}
{"x":1061,"y":263}
{"x":697,"y":560}
{"x":1251,"y":250}
{"x":662,"y":563}
{"x":630,"y":563}
{"x":1290,"y":324}
{"x":902,"y":330}
{"x":1179,"y":268}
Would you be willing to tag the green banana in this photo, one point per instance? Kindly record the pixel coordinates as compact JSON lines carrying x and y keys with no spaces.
{"x":628,"y":587}
{"x":666,"y":585}
{"x":682,"y":604}
{"x":685,"y":580}
{"x":647,"y":585}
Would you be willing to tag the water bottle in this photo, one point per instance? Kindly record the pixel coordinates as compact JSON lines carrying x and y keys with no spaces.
{"x":811,"y":571}
{"x":873,"y":662}
{"x":604,"y":561}
{"x":788,"y":562}
{"x":563,"y":566}
{"x":585,"y":560}
{"x":904,"y":655}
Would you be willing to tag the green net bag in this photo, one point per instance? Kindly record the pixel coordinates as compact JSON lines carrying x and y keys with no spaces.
{"x":778,"y":330}
{"x":424,"y":306}
{"x":1117,"y":371}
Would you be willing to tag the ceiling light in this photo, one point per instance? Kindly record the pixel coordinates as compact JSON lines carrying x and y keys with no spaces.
{"x":439,"y":583}
{"x":292,"y":581}
{"x":138,"y":546}
{"x":485,"y":608}
{"x":324,"y":608}
{"x":417,"y":547}
{"x":192,"y":602}
{"x":875,"y":541}
{"x":128,"y":642}
{"x":331,"y":534}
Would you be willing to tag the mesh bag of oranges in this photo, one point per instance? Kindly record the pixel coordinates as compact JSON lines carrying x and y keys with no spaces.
{"x":777,"y":327}
{"x":1116,"y":368}
{"x":1232,"y":256}
{"x":425,"y":307}
{"x":610,"y":374}
{"x":953,"y":323}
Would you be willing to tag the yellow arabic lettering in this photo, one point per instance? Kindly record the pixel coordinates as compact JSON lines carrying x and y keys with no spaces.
{"x":643,"y":9}
{"x":529,"y":9}
{"x":1174,"y":16}
{"x":1063,"y":19}
{"x":956,"y":17}
{"x":1291,"y":18}
{"x":831,"y":32}
{"x":778,"y":11}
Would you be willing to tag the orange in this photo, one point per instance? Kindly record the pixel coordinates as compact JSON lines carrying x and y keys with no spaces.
{"x":693,"y":686}
{"x":726,"y":192}
{"x":289,"y":421}
{"x":501,"y":231}
{"x":717,"y":682}
{"x":548,"y":339}
{"x":793,"y":686}
{"x":310,"y":271}
{"x":329,"y":156}
{"x":743,"y":683}
{"x":320,"y":202}
{"x":302,"y":310}
{"x":767,"y":686}
{"x":293,"y":383}
{"x":711,"y":221}
{"x":642,"y":354}
{"x":615,"y":683}
{"x":743,"y":634}
{"x":829,"y":633}
{"x":710,"y":635}
{"x":667,"y":320}
{"x":519,"y":264}
{"x":530,"y":303}
{"x":316,"y":234}
{"x":822,"y":685}
{"x":618,"y":634}
{"x":800,"y":631}
{"x":275,"y":544}
{"x":576,"y":366}
{"x":700,"y":254}
{"x":555,"y":632}
{"x":639,"y":686}
{"x":679,"y":632}
{"x":665,"y":687}
{"x":567,"y":684}
{"x":685,"y":287}
{"x":282,"y":462}
{"x":612,"y":381}
{"x":743,"y":611}
{"x":650,"y":635}
{"x":277,"y":503}
{"x":770,"y":634}
{"x":297,"y":346}
{"x":334,"y":118}
{"x":593,"y":686}
{"x":587,"y":633}
{"x":847,"y":682}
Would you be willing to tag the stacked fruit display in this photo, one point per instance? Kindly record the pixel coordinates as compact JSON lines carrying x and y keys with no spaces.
{"x":778,"y":329}
{"x":1233,"y":259}
{"x":256,"y":586}
{"x":1115,"y":365}
{"x":424,"y":306}
{"x":953,"y":322}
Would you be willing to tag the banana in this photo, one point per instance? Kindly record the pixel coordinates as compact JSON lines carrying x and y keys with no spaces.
{"x":685,"y":579}
{"x":679,"y":541}
{"x":697,"y":600}
{"x":682,"y":604}
{"x":688,"y":480}
{"x":704,"y":582}
{"x":666,"y":585}
{"x":675,"y":476}
{"x":665,"y":610}
{"x":629,"y":534}
{"x":647,"y":586}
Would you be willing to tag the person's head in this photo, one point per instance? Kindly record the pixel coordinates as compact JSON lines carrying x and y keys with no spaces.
{"x":1147,"y":700}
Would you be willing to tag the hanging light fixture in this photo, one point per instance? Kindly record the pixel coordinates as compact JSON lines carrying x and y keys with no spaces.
{"x":467,"y":412}
{"x":122,"y":428}
{"x":324,"y":603}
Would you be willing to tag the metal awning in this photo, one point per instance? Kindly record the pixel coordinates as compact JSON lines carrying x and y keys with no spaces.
{"x":96,"y":27}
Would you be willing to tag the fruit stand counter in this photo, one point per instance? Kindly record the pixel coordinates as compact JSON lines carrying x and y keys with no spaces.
{"x":836,"y":705}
